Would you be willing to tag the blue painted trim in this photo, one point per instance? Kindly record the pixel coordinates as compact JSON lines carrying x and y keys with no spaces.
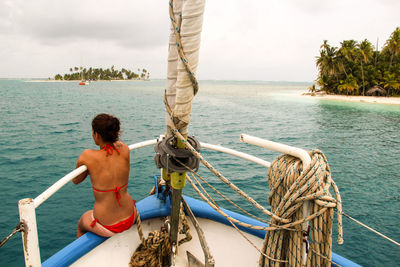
{"x":151,"y":207}
{"x":342,"y":261}
{"x":74,"y":250}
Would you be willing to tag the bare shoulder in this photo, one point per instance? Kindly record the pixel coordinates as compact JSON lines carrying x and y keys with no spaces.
{"x":86,"y":155}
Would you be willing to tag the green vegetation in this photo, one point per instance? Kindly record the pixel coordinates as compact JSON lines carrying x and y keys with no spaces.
{"x":356,"y":68}
{"x":94,"y":74}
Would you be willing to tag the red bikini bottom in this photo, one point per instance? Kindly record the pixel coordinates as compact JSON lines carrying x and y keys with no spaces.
{"x":120,"y":226}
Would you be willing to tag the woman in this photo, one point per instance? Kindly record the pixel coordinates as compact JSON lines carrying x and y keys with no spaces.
{"x":114,"y":209}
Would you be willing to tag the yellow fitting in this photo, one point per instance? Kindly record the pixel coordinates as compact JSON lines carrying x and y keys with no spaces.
{"x":179,"y":143}
{"x":178,"y":180}
{"x":165,"y":175}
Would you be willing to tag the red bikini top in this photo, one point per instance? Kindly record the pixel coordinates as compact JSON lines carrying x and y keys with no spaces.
{"x":109,"y":149}
{"x":116,"y":190}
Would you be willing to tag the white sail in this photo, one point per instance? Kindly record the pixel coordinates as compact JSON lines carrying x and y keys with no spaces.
{"x":179,"y":86}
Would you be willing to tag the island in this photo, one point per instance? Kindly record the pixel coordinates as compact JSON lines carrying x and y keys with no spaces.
{"x":96,"y":74}
{"x":359,"y":69}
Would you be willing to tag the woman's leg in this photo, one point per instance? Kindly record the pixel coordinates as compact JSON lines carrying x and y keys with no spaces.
{"x":84,"y":226}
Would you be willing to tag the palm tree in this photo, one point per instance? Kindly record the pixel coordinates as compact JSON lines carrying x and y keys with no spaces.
{"x":327,"y":61}
{"x":349,"y":84}
{"x":393,"y":45}
{"x":365,"y":52}
{"x":392,"y":82}
{"x":347,"y":53}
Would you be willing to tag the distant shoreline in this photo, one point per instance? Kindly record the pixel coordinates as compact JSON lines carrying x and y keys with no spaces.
{"x":362,"y":99}
{"x":77,"y":81}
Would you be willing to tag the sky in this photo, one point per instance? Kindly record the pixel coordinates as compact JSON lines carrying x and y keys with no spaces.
{"x":270,"y":40}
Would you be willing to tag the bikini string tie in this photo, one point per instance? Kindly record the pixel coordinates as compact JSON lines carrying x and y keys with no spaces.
{"x":117,"y":191}
{"x":109,"y":149}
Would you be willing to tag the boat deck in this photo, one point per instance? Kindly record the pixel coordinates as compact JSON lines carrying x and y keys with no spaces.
{"x":226,"y":245}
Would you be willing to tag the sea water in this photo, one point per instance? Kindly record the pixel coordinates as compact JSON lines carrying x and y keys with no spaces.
{"x":44,"y":127}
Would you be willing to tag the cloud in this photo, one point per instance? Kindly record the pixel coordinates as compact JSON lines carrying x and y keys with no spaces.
{"x":8,"y":12}
{"x":126,"y":23}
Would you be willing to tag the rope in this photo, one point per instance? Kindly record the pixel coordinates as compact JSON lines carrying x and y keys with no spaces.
{"x":155,"y":251}
{"x":140,"y":229}
{"x":213,"y":204}
{"x":372,"y":230}
{"x":290,"y":188}
{"x":216,"y":172}
{"x":225,"y":197}
{"x":231,"y":220}
{"x":332,"y":262}
{"x":312,"y":184}
{"x":18,"y":228}
{"x":185,"y":229}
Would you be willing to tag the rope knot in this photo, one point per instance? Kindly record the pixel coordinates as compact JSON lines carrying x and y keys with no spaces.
{"x":303,"y":197}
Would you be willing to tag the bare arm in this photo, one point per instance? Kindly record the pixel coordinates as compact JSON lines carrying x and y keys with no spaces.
{"x":81,"y":161}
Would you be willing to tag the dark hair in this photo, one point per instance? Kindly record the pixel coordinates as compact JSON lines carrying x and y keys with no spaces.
{"x":107,"y":126}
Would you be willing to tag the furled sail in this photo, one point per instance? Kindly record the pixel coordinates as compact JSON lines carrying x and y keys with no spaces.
{"x":188,"y":14}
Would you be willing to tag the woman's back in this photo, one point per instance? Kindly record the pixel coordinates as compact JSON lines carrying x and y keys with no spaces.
{"x":109,"y":176}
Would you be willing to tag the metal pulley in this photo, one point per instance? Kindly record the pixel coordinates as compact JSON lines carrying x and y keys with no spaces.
{"x":167,"y":154}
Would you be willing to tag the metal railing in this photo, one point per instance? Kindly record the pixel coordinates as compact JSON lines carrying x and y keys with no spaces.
{"x":27,"y":206}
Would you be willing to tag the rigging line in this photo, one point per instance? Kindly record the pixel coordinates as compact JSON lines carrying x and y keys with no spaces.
{"x":220,"y":176}
{"x":369,"y":228}
{"x":19,"y":228}
{"x":280,"y":227}
{"x":326,"y":258}
{"x":230,"y":201}
{"x":263,"y":228}
{"x":226,"y":198}
{"x":289,"y":226}
{"x":231,"y":221}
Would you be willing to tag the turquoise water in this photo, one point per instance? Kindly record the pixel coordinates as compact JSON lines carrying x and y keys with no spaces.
{"x":45,"y":126}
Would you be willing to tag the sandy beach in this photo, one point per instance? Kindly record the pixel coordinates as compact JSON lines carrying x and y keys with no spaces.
{"x":366,"y":99}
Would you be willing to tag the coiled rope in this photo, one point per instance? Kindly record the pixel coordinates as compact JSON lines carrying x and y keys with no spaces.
{"x":290,"y":188}
{"x":155,"y":251}
{"x":317,"y":190}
